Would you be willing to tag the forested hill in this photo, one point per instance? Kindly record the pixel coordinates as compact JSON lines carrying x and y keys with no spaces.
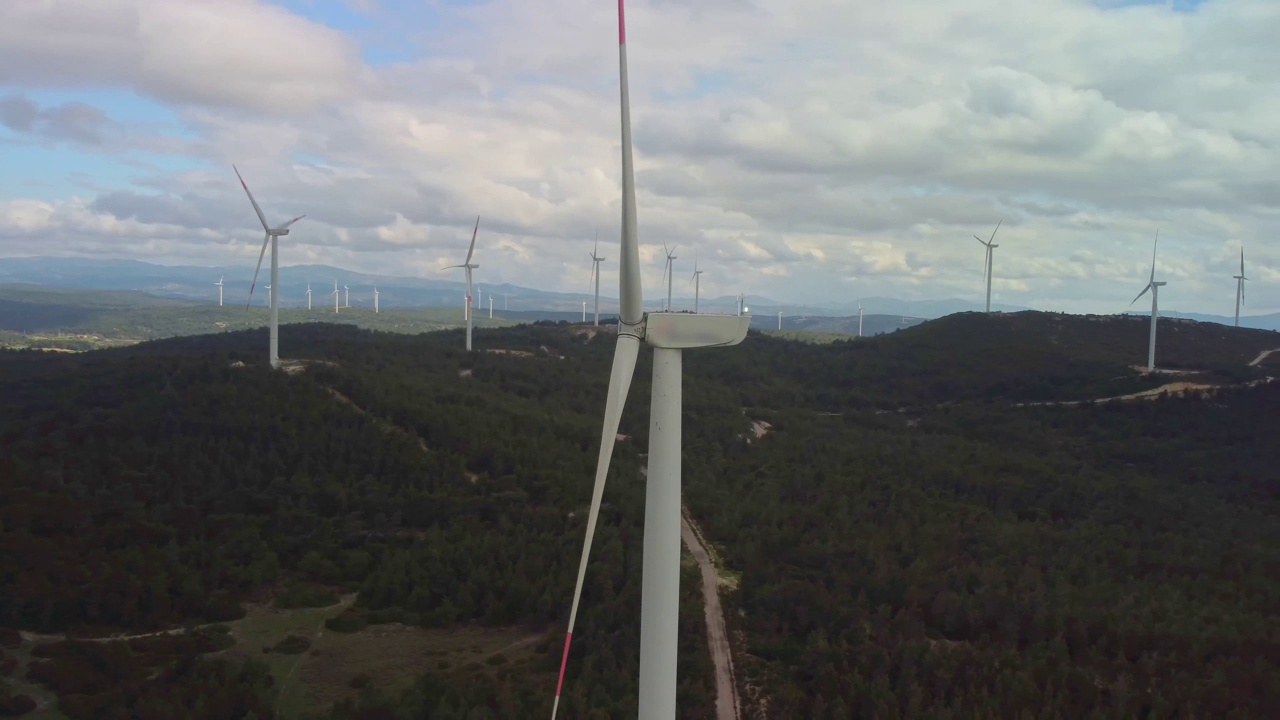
{"x":963,"y":557}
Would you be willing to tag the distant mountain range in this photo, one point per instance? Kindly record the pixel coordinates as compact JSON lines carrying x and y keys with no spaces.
{"x":195,"y":283}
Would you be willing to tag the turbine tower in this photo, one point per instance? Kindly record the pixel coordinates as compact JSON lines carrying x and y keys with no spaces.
{"x":1240,"y":281}
{"x":268,"y":296}
{"x":308,"y":296}
{"x":219,"y":284}
{"x":859,"y":317}
{"x":595,"y":273}
{"x":669,"y":334}
{"x":671,"y":256}
{"x":375,"y":299}
{"x":779,"y":319}
{"x":271,"y":237}
{"x":697,"y":281}
{"x":1154,"y":286}
{"x":490,"y":306}
{"x":468,"y":267}
{"x":986,"y":266}
{"x":346,"y":302}
{"x":335,"y":297}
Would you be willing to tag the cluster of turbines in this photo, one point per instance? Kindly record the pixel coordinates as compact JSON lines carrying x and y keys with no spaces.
{"x":1152,"y":285}
{"x":669,"y":333}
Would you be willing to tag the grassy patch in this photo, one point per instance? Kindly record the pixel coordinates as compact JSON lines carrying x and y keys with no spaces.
{"x":395,"y":655}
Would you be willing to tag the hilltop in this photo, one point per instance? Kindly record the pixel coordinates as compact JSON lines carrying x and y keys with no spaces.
{"x":415,"y":501}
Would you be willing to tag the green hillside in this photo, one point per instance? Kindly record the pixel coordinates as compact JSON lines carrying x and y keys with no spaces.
{"x":413,"y":515}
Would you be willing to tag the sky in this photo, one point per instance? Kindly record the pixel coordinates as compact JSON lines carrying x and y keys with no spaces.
{"x":812,"y":151}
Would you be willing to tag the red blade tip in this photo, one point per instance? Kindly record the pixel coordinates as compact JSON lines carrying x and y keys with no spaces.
{"x":568,"y":637}
{"x":622,"y":25}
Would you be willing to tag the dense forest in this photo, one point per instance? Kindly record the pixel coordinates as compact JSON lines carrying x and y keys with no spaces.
{"x":906,"y":541}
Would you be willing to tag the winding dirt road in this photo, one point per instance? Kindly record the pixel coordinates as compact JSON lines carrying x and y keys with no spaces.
{"x":717,"y":635}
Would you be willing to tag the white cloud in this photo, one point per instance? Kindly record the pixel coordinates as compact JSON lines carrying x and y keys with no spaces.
{"x":806,"y":150}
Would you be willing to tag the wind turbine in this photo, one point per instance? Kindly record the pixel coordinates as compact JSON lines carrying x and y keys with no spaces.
{"x":1154,"y":286}
{"x":779,"y":319}
{"x":595,"y":272}
{"x":375,"y":299}
{"x":859,"y":317}
{"x":986,"y":266}
{"x":268,"y":296}
{"x":584,"y":311}
{"x":670,"y":264}
{"x":335,"y":297}
{"x":308,"y":296}
{"x":346,"y":302}
{"x":490,"y":306}
{"x":468,"y":267}
{"x":697,"y":281}
{"x":219,"y":284}
{"x":1240,"y":280}
{"x":669,"y":334}
{"x":271,"y":237}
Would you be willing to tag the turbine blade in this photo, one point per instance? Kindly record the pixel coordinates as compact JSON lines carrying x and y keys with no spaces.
{"x":1144,"y":292}
{"x":1242,"y":260}
{"x":261,"y":218}
{"x":265,"y":239}
{"x":984,"y":242}
{"x":993,"y":232}
{"x":282,"y":227}
{"x":473,"y":242}
{"x":1154,"y":247}
{"x":624,"y":365}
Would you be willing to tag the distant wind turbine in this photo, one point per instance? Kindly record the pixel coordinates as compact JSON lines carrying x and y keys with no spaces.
{"x":1154,"y":286}
{"x":671,"y":257}
{"x":375,"y":299}
{"x":335,"y":297}
{"x":219,"y":284}
{"x":986,"y":266}
{"x":468,"y":267}
{"x":669,"y":334}
{"x":779,"y":319}
{"x":490,"y":306}
{"x":308,"y":296}
{"x":595,"y":273}
{"x":859,"y":317}
{"x":697,"y":281}
{"x":1240,"y":281}
{"x":271,"y":237}
{"x":268,"y":288}
{"x":346,"y":302}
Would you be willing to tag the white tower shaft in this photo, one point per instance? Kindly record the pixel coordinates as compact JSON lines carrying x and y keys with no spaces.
{"x":275,"y":302}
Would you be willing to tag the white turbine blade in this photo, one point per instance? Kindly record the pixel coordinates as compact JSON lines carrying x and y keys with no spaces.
{"x":472,"y":249}
{"x":624,"y":365}
{"x":1154,"y":247}
{"x":261,"y":218}
{"x":1242,"y":262}
{"x":266,"y":239}
{"x":993,"y":232}
{"x":282,"y":227}
{"x":984,"y":242}
{"x":1144,"y":292}
{"x":630,"y":313}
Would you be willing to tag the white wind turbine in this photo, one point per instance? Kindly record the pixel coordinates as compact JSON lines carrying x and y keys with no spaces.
{"x":346,"y":302}
{"x":490,"y":306}
{"x":697,"y":281}
{"x":335,"y":297}
{"x":671,"y":257}
{"x":271,"y":237}
{"x":1240,"y":281}
{"x":859,"y":317}
{"x":986,"y":265}
{"x":779,"y":319}
{"x":468,"y":267}
{"x":308,"y":296}
{"x":1154,"y":286}
{"x":268,"y":288}
{"x":375,"y":299}
{"x":595,"y":273}
{"x":669,"y":334}
{"x":219,"y":284}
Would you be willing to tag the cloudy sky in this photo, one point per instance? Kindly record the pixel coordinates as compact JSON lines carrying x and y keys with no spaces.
{"x":809,"y":150}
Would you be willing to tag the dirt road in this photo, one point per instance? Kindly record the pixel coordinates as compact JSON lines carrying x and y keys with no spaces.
{"x":717,"y":636}
{"x":1262,"y":356}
